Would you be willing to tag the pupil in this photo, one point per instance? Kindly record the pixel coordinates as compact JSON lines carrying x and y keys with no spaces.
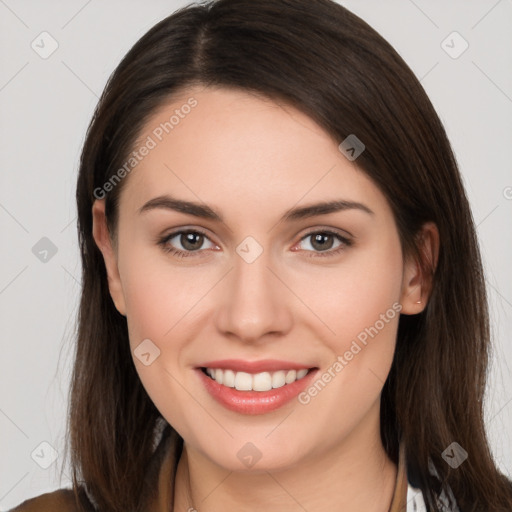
{"x":320,"y":239}
{"x":187,"y":241}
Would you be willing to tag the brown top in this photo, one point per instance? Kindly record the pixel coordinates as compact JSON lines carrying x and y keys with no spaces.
{"x":399,"y":501}
{"x":63,"y":500}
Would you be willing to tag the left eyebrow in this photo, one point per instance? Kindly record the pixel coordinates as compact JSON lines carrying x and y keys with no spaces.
{"x":206,"y":212}
{"x":324,"y":208}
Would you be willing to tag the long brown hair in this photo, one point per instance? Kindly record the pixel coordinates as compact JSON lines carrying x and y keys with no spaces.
{"x":331,"y":65}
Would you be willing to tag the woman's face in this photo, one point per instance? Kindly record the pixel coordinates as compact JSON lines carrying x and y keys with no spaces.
{"x":266,"y":285}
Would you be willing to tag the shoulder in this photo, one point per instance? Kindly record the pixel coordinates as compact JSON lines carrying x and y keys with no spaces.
{"x":61,"y":500}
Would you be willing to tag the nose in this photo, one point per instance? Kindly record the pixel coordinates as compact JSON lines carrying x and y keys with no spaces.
{"x":254,"y":305}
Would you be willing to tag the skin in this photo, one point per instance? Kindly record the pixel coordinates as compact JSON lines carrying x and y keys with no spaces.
{"x":251,"y":160}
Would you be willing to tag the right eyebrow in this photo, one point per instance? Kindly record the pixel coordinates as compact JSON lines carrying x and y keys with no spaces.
{"x":179,"y":205}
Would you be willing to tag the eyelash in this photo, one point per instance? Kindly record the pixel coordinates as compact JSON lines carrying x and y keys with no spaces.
{"x":163,"y":242}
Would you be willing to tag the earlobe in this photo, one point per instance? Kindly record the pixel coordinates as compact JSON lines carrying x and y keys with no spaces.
{"x":419,"y":271}
{"x":102,"y":238}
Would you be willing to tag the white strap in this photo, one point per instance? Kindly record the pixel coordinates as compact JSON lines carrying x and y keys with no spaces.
{"x":415,"y":501}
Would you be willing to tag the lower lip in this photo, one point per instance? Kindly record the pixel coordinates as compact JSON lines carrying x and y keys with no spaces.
{"x":254,"y":402}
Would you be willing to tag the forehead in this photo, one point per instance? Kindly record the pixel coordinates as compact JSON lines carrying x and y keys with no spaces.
{"x":230,"y":146}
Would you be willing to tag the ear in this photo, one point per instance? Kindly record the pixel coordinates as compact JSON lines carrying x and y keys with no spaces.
{"x":102,"y":238}
{"x":418,"y":274}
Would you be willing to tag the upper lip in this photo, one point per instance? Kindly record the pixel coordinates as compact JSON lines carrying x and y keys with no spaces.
{"x":264,"y":365}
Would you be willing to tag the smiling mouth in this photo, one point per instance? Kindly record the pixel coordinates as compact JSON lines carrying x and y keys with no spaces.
{"x":263,"y":381}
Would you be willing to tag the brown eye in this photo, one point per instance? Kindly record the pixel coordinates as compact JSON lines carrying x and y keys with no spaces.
{"x":324,"y":242}
{"x":191,"y":241}
{"x":185,"y":243}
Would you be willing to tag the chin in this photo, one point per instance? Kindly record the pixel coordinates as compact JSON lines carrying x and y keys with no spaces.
{"x":244,"y":455}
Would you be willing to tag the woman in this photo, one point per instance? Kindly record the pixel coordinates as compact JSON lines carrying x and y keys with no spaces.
{"x":275,"y":312}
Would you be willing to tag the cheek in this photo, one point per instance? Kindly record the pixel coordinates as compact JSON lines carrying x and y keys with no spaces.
{"x":355,"y":294}
{"x":147,"y":306}
{"x":360,"y":304}
{"x":159,"y":297}
{"x":160,"y":304}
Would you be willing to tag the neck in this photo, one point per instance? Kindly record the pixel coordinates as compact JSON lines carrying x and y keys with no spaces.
{"x":355,"y":475}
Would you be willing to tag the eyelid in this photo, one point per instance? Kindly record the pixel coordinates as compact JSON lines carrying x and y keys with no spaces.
{"x":184,"y":229}
{"x":329,"y":229}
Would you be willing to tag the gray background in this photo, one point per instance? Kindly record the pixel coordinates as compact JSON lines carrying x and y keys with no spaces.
{"x":46,"y":105}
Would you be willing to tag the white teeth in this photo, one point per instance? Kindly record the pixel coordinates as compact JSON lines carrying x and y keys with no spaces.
{"x":278,"y":379}
{"x":301,"y":373}
{"x":291,"y":376}
{"x":243,"y":381}
{"x":228,"y":378}
{"x":264,"y":381}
